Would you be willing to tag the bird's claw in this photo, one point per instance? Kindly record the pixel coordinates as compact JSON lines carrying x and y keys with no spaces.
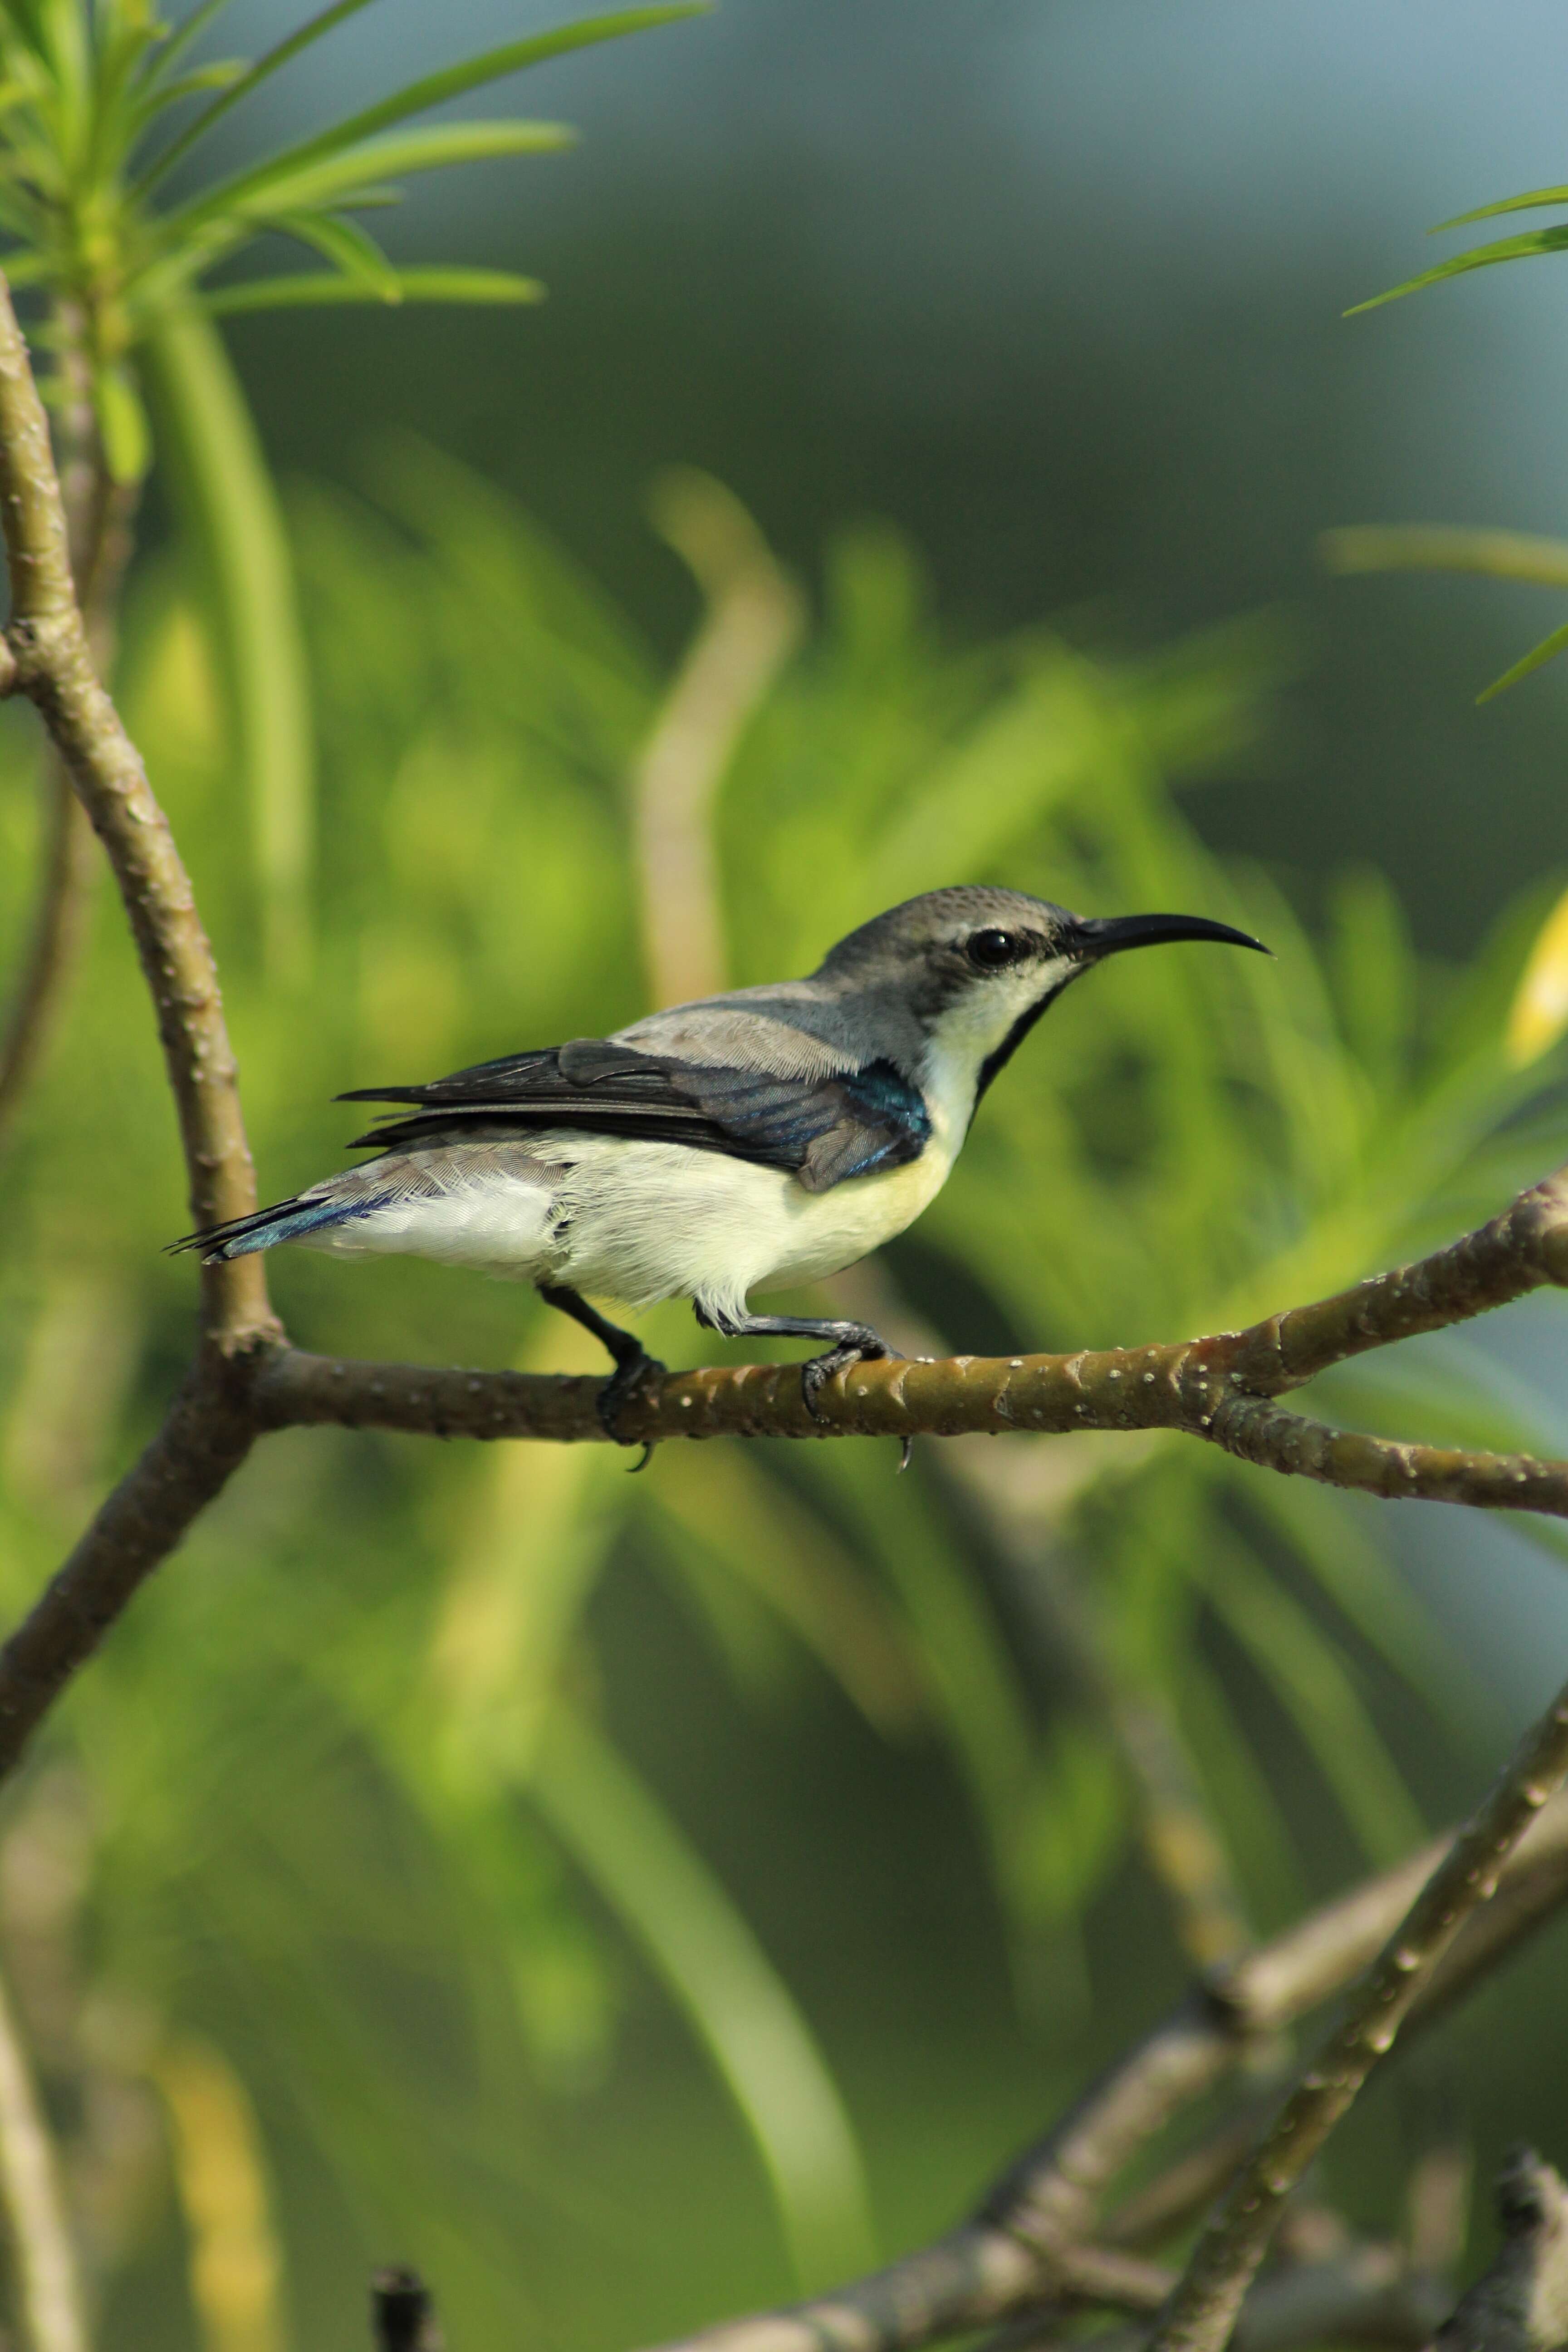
{"x":627,"y":1379}
{"x":817,"y":1371}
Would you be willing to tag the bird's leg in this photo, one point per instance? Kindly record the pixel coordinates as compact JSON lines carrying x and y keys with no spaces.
{"x":852,"y":1343}
{"x":634,"y":1365}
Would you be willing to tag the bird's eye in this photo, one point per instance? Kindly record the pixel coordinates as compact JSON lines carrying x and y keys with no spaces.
{"x":994,"y":950}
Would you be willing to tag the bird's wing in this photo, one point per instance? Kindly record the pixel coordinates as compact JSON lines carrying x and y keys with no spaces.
{"x":822,"y":1130}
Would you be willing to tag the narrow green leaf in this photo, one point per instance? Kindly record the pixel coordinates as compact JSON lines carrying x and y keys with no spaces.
{"x":1481,"y":256}
{"x":346,"y":181}
{"x":713,"y":1966}
{"x":163,"y":286}
{"x":221,"y":74}
{"x":317,"y":290}
{"x":348,"y":247}
{"x":1524,"y":204}
{"x":433,"y":89}
{"x":150,"y":99}
{"x":125,"y":38}
{"x":324,"y":21}
{"x":333,"y":180}
{"x":238,"y":516}
{"x":65,"y":49}
{"x":1538,"y":655}
{"x":182,"y":38}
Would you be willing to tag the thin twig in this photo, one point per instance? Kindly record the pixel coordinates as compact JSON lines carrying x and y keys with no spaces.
{"x":1223,"y":1389}
{"x":1367,"y":2295}
{"x":1217,"y":1389}
{"x":1534,"y":1888}
{"x":1005,"y":2257}
{"x":48,"y":658}
{"x":1365,"y":2298}
{"x":1204,"y":2309}
{"x":50,"y":2294}
{"x":201,"y":1444}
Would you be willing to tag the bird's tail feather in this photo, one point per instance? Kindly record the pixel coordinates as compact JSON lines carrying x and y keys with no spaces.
{"x":285,"y":1221}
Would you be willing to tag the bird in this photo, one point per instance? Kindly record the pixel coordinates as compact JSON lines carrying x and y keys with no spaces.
{"x":752,"y":1142}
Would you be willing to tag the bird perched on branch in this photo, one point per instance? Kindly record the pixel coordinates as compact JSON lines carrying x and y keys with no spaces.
{"x":748,"y":1142}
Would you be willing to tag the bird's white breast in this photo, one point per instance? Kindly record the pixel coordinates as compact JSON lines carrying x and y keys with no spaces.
{"x":649,"y":1221}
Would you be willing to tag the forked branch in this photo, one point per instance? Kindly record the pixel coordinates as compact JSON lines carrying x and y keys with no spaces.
{"x":1022,"y":2250}
{"x":1204,"y":2310}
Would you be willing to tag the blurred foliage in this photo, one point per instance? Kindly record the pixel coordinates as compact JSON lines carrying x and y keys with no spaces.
{"x":97,"y":118}
{"x":329,"y":1887}
{"x":103,"y":103}
{"x":1540,"y":1014}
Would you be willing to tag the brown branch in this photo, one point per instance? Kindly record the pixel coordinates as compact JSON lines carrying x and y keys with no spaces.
{"x":1203,"y":2311}
{"x":1373,"y":2296}
{"x":47,"y":657}
{"x":1366,"y":2296}
{"x":1109,"y":1389}
{"x":204,"y":1439}
{"x":1194,"y":1386}
{"x":1221,"y":1388}
{"x":1016,"y":2250}
{"x":1522,"y":2304}
{"x":1535,"y":1886}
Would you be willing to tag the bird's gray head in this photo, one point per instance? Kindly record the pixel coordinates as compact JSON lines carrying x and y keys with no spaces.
{"x":973,"y":970}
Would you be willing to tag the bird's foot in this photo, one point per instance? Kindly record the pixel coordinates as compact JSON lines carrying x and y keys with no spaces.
{"x":632,"y":1375}
{"x":865,"y":1347}
{"x":819,"y":1369}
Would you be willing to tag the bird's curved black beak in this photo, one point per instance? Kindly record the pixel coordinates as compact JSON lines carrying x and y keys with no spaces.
{"x":1093,"y":935}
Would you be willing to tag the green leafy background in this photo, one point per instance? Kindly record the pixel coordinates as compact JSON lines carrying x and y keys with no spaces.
{"x":633,"y":1899}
